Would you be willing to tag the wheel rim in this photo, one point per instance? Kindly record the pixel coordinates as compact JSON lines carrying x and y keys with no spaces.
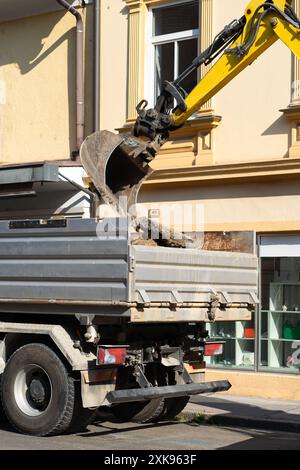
{"x":33,"y":390}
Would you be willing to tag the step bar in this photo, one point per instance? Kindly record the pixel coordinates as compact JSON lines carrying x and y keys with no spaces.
{"x":170,"y":391}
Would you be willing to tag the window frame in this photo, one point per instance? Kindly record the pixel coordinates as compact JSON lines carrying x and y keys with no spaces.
{"x":153,"y":41}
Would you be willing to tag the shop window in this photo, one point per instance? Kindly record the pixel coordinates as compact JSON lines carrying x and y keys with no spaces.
{"x":277,"y":336}
{"x":239,"y":346}
{"x":280,"y":313}
{"x":175,"y":31}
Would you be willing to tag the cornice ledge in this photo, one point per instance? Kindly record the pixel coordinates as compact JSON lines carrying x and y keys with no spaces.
{"x":133,"y":2}
{"x":248,"y":170}
{"x":134,"y":6}
{"x":154,"y":2}
{"x":292,"y":112}
{"x":206,"y":122}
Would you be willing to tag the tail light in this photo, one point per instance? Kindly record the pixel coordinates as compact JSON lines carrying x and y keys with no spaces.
{"x":111,"y":355}
{"x":214,"y":349}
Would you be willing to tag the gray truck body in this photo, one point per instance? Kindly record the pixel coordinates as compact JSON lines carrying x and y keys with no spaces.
{"x":75,"y":285}
{"x":78,"y":266}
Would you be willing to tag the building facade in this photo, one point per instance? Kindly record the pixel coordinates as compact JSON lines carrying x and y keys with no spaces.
{"x":239,"y":156}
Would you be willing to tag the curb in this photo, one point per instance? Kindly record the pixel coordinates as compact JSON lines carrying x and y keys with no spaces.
{"x":243,"y":422}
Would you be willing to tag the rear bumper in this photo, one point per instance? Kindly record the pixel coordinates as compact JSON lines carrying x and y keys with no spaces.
{"x":173,"y":391}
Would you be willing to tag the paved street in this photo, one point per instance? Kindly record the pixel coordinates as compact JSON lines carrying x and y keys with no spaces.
{"x":181,"y":436}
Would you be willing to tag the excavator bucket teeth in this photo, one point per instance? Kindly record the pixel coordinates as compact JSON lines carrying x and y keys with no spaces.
{"x":117,"y":165}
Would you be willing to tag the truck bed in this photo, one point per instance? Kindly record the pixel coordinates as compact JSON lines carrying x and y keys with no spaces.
{"x":70,"y":262}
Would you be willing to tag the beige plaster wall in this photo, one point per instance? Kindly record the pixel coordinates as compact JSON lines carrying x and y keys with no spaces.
{"x":253,"y":127}
{"x":265,"y":385}
{"x":37,"y":86}
{"x":264,"y":206}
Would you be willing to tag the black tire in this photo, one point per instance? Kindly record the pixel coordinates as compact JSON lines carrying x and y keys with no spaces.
{"x":38,"y":395}
{"x":82,"y":417}
{"x":143,"y":411}
{"x":138,"y":412}
{"x":172,"y":408}
{"x":2,"y":414}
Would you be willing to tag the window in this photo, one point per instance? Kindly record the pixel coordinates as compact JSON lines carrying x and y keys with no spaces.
{"x":280,"y":303}
{"x":280,"y":313}
{"x":239,"y":339}
{"x":175,"y":31}
{"x":271,"y":340}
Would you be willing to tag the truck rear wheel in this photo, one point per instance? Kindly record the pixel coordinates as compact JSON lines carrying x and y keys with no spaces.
{"x":38,"y":395}
{"x":142,"y":411}
{"x":172,"y":408}
{"x":2,"y":414}
{"x":139,"y":412}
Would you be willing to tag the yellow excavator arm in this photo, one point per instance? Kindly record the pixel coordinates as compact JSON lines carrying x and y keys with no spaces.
{"x":241,"y":42}
{"x":118,"y":164}
{"x":263,"y":26}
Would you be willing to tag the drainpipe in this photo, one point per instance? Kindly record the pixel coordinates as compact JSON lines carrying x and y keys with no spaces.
{"x":96,"y":65}
{"x":79,"y":76}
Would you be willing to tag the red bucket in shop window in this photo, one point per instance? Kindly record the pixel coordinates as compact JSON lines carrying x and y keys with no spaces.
{"x":249,"y":333}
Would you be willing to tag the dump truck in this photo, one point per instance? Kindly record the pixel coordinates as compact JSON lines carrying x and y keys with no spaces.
{"x":93,"y":317}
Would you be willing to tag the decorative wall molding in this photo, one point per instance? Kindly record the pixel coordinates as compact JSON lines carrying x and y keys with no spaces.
{"x":211,"y":174}
{"x":205,"y":39}
{"x":292,"y":113}
{"x":191,"y":145}
{"x":295,"y":98}
{"x":136,"y":52}
{"x":150,"y":3}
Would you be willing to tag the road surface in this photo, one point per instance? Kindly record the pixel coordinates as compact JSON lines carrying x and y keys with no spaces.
{"x":166,"y":436}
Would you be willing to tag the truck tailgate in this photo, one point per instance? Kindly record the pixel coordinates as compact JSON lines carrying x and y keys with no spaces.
{"x":189,"y":278}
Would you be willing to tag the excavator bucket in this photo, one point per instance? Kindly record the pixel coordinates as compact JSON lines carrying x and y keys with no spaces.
{"x":117,"y":165}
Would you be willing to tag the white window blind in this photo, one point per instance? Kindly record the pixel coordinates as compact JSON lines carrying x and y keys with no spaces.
{"x":280,"y":246}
